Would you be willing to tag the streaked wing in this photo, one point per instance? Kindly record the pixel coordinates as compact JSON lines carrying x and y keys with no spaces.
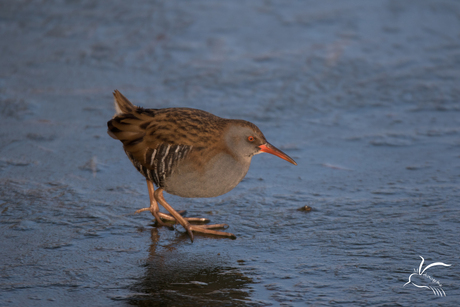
{"x":152,"y":143}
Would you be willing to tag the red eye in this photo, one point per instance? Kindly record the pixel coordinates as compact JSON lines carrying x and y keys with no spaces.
{"x":251,"y":138}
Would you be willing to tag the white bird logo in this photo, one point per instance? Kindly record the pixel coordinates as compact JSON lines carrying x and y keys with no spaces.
{"x":437,"y":290}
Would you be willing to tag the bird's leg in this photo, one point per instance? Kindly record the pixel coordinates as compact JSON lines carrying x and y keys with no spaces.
{"x":155,"y":210}
{"x":188,"y":227}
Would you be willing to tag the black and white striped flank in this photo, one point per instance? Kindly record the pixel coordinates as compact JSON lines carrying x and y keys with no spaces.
{"x":160,"y":162}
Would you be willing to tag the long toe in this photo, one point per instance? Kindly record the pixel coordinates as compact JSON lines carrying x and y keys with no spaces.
{"x":158,"y":217}
{"x":207,"y":229}
{"x":142,"y":210}
{"x":199,"y":220}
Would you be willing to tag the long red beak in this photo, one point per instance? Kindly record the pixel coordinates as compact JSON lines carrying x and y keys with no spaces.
{"x":275,"y":151}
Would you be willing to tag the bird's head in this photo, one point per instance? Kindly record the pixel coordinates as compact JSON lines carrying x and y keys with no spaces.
{"x":245,"y":140}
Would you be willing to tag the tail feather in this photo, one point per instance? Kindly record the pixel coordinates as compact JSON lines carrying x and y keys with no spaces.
{"x":122,"y":104}
{"x":125,"y":125}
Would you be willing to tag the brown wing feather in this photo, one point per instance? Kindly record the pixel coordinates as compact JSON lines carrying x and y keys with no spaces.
{"x":156,"y":140}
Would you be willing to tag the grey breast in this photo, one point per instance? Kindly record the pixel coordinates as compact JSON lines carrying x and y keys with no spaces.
{"x":220,"y":175}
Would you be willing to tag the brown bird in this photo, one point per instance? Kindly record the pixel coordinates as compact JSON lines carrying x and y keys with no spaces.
{"x":187,"y":152}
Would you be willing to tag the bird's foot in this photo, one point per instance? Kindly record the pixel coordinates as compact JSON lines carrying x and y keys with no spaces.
{"x":208,"y":229}
{"x":181,"y":212}
{"x":158,"y":217}
{"x":170,"y":218}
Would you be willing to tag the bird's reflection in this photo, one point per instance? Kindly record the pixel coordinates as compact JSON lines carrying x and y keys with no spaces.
{"x":188,"y":278}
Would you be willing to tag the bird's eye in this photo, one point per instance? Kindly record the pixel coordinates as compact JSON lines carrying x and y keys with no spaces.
{"x":251,"y":138}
